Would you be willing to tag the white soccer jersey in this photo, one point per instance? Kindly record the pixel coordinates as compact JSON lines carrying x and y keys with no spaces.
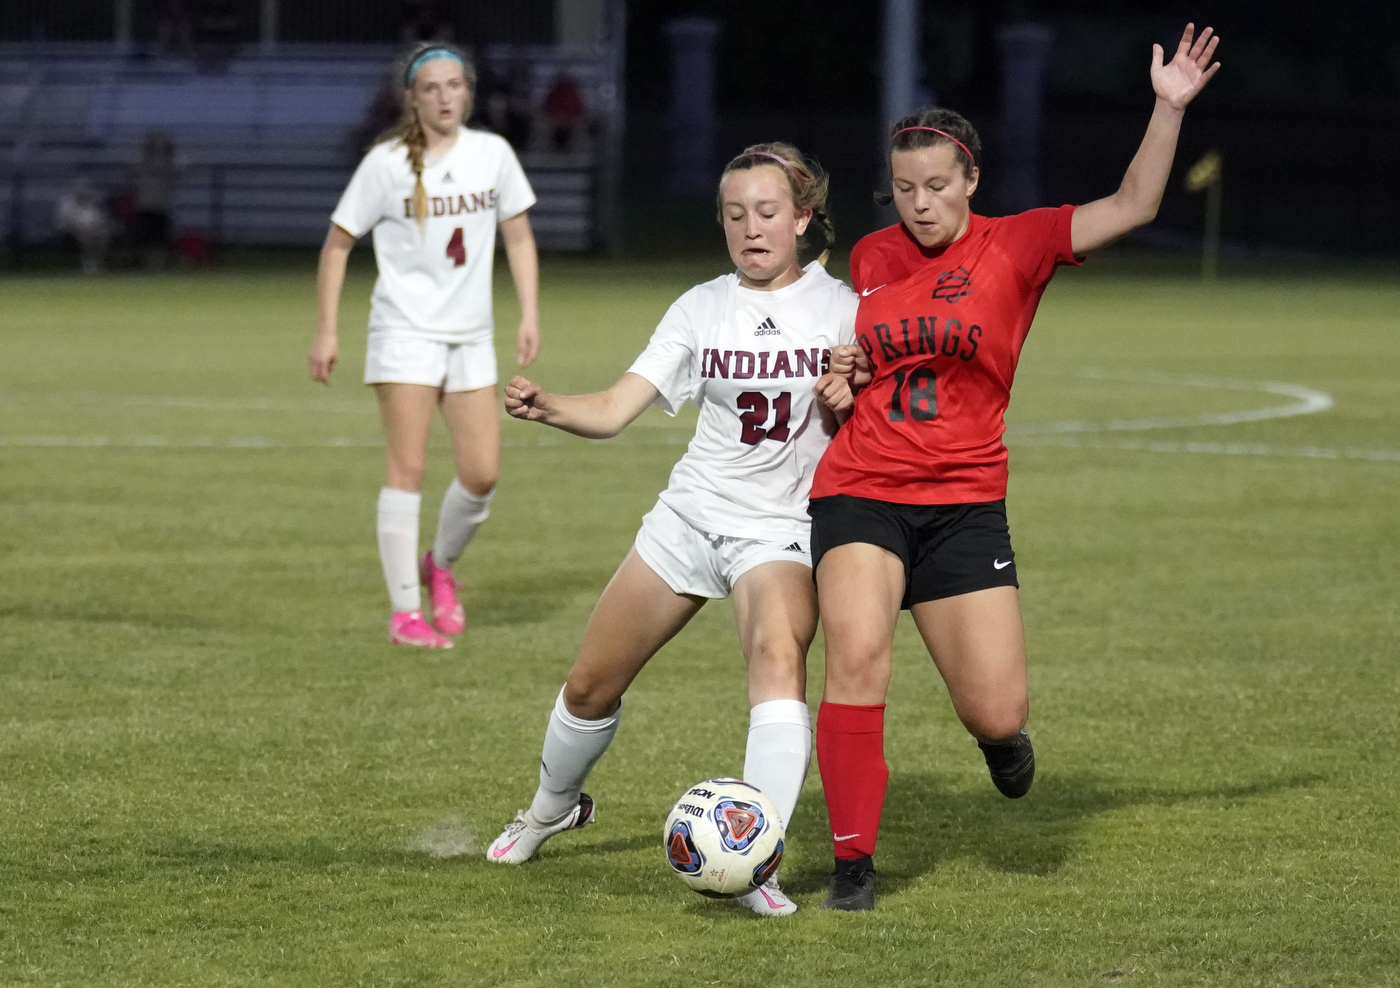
{"x":435,"y":282}
{"x":749,"y":360}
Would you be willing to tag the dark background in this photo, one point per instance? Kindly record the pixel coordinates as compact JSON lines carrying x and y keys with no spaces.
{"x":1306,"y":110}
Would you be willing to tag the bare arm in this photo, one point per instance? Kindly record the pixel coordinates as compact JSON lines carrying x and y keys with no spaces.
{"x":524,"y":261}
{"x":1099,"y":223}
{"x":330,"y":278}
{"x":600,"y":415}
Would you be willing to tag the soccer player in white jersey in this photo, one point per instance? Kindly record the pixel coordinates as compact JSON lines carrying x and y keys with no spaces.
{"x":434,"y":193}
{"x":750,"y":349}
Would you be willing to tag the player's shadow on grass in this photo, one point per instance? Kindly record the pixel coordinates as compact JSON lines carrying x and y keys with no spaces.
{"x":928,"y":822}
{"x":526,"y":598}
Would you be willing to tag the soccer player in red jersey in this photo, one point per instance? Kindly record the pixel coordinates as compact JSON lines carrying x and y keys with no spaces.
{"x":908,"y":503}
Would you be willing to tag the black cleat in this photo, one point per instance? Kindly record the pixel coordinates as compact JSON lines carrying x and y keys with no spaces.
{"x":1012,"y":764}
{"x":852,"y":888}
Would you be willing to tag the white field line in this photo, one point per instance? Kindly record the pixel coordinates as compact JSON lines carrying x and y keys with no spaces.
{"x":262,"y":442}
{"x":1306,"y":401}
{"x":679,"y":439}
{"x":1218,"y":449}
{"x":68,"y":398}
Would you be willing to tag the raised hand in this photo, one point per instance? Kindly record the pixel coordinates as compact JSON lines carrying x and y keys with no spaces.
{"x":524,"y":399}
{"x":1179,"y":80}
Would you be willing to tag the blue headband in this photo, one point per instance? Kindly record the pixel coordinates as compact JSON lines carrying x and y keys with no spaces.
{"x":431,"y":55}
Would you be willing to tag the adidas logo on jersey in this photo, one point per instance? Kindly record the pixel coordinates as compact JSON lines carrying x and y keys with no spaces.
{"x":792,"y":548}
{"x":447,"y":177}
{"x":767,"y":328}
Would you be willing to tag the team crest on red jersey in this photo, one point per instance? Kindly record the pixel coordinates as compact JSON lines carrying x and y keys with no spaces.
{"x":953,"y":285}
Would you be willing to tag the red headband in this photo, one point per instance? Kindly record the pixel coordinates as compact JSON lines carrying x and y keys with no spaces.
{"x":940,"y":133}
{"x":792,"y":169}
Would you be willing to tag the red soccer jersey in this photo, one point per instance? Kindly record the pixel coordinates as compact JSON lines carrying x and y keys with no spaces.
{"x":943,"y":328}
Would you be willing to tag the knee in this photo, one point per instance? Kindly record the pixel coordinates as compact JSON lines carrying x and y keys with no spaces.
{"x":588,"y":699}
{"x":404,"y":480}
{"x":404,"y":473}
{"x":997,"y":721}
{"x":479,"y":483}
{"x":859,"y":671}
{"x":780,"y":666}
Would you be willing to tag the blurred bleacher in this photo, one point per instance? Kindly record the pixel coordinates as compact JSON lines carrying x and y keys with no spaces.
{"x":265,"y":146}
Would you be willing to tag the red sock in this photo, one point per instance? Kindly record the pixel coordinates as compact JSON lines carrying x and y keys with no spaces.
{"x":851,"y":755}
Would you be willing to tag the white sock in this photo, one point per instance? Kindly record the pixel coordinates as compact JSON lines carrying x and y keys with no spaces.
{"x":572,"y":746}
{"x":779,"y":751}
{"x":461,"y":514}
{"x":398,"y":546}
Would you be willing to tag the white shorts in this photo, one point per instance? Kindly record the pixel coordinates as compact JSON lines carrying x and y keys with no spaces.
{"x":393,"y":359}
{"x":705,"y":565}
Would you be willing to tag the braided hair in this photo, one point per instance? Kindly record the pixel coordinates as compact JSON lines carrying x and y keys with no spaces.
{"x":409,"y":129}
{"x":807,"y":182}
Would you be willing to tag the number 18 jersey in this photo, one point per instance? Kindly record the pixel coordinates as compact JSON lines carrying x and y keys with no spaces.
{"x":749,"y":360}
{"x":943,"y":328}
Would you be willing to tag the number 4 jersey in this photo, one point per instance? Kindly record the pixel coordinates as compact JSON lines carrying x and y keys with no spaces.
{"x":943,"y":329}
{"x":749,"y":360}
{"x":435,"y":281}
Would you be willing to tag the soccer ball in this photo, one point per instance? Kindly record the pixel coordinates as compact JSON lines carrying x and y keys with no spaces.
{"x":724,"y":838}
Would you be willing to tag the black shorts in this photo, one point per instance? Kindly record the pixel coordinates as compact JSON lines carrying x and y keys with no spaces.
{"x":947,"y":549}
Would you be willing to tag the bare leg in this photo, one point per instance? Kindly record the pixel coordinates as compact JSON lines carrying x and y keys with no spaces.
{"x":860,"y":587}
{"x":474,"y":423}
{"x":407,"y":413}
{"x":977,"y":642}
{"x":775,"y":607}
{"x":636,"y":615}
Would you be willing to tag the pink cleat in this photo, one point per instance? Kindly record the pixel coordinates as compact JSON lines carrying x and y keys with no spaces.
{"x":409,"y":628}
{"x":448,"y":616}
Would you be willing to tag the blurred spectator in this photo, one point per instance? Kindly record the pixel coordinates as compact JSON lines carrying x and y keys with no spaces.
{"x":155,"y":195}
{"x":121,"y":209}
{"x":174,"y":29}
{"x":520,"y":114}
{"x":489,"y":99}
{"x":564,"y":112}
{"x":81,"y":217}
{"x":424,"y":20}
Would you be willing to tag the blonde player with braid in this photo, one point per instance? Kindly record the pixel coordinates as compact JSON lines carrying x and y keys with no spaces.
{"x":434,"y":193}
{"x":750,"y":349}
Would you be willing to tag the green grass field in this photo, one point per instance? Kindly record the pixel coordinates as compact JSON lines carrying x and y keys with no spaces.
{"x":214,"y":770}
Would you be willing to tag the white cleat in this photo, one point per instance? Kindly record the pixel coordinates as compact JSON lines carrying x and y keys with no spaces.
{"x":520,"y":840}
{"x":768,"y":900}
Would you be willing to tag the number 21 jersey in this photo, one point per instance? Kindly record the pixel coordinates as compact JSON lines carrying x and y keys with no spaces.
{"x":749,"y":359}
{"x":435,"y":280}
{"x":943,"y":329}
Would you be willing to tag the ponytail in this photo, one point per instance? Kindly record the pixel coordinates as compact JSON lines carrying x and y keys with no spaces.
{"x":415,"y":141}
